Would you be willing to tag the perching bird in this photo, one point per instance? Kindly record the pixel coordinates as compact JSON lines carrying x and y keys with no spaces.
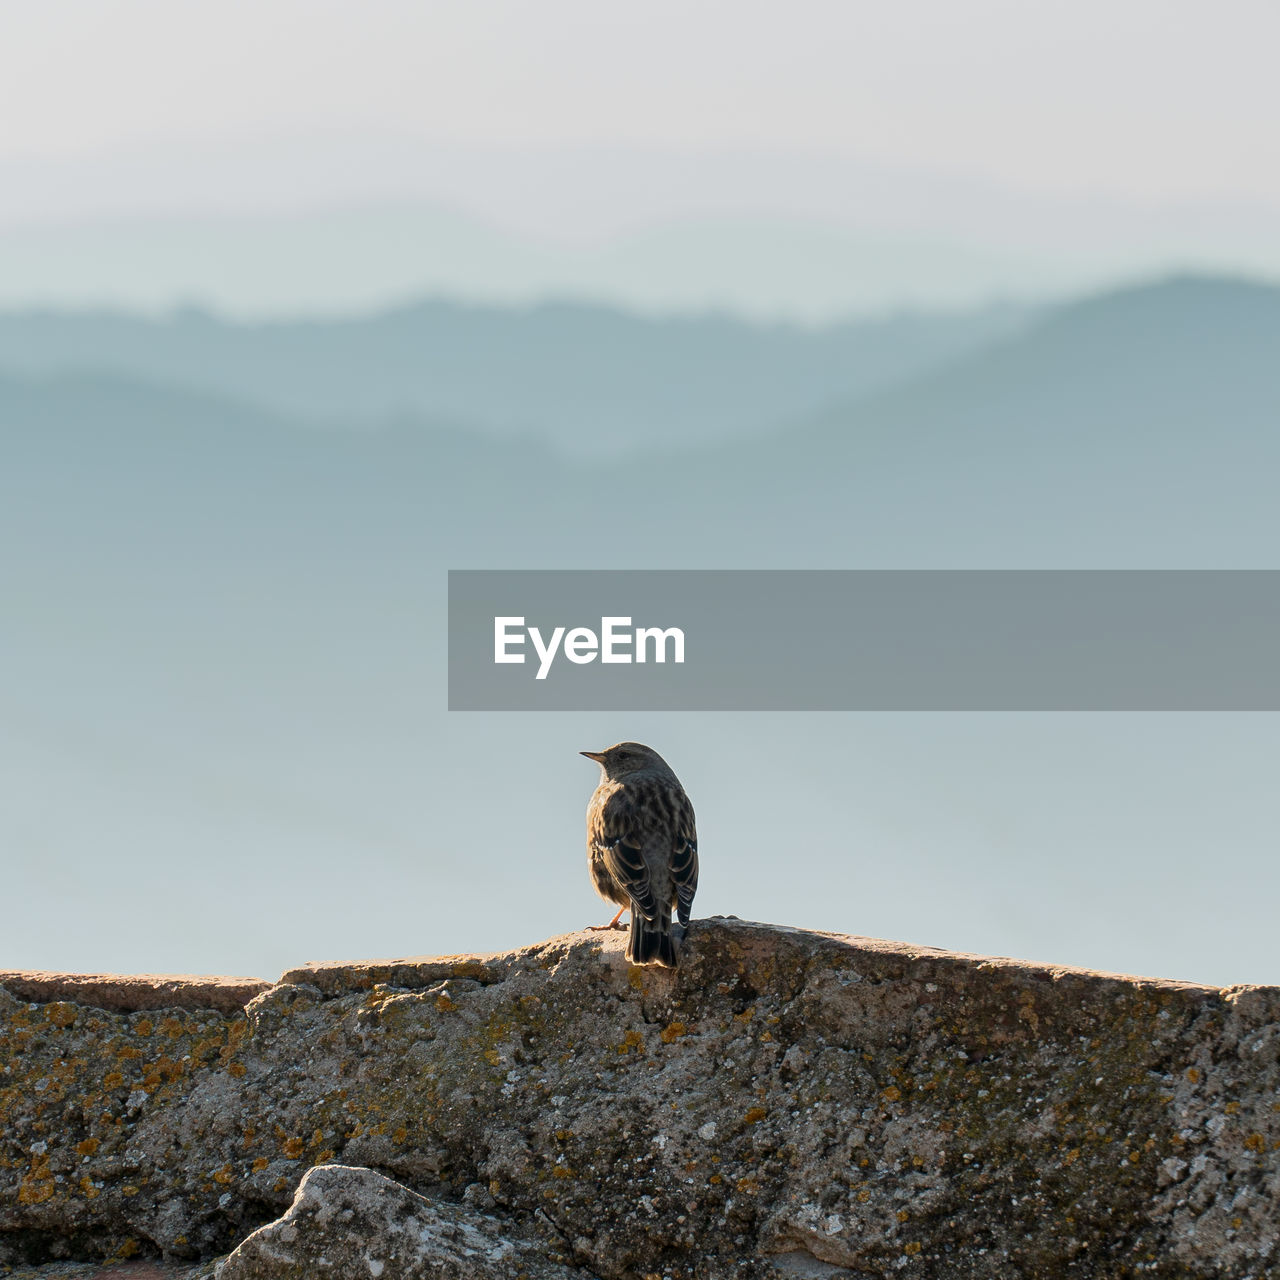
{"x":642,"y":847}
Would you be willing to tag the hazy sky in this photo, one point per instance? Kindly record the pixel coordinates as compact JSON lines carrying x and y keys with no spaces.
{"x":265,"y":743}
{"x":1151,"y":98}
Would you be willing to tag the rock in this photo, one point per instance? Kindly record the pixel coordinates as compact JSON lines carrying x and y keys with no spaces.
{"x":130,"y":993}
{"x":785,"y":1103}
{"x":142,"y":1270}
{"x":352,"y":1223}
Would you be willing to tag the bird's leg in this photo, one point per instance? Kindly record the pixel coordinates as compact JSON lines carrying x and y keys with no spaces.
{"x":613,"y":924}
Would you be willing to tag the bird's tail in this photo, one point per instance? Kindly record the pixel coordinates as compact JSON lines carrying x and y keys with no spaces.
{"x":650,"y":941}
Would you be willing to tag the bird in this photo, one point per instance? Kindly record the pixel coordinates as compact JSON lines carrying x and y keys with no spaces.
{"x":642,"y":848}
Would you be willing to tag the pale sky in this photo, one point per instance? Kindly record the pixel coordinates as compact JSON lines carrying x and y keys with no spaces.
{"x":1149,"y":99}
{"x":929,"y":153}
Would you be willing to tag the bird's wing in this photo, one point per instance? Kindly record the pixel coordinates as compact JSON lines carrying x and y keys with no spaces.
{"x":616,"y":833}
{"x":684,"y":859}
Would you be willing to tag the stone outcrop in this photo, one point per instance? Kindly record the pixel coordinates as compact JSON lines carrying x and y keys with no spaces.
{"x":783,"y":1104}
{"x":130,"y":993}
{"x":354,"y":1222}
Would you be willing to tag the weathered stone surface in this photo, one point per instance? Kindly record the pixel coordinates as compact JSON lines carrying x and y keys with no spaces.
{"x":351,"y":1222}
{"x":144,"y":1270}
{"x":131,"y":993}
{"x":150,"y":1269}
{"x":785,"y":1103}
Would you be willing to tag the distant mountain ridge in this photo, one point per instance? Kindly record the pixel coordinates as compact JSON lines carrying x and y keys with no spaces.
{"x":272,"y":264}
{"x":1137,"y":428}
{"x":589,"y":380}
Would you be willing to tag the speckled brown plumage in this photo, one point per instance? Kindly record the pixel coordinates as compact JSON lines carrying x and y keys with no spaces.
{"x":642,"y":847}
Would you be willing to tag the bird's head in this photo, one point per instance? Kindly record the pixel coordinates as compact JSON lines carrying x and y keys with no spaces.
{"x":628,"y":757}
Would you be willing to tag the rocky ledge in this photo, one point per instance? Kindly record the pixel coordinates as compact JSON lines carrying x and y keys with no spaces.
{"x":785,"y":1104}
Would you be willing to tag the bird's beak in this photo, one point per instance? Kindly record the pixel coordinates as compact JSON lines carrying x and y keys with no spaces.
{"x":597,"y":756}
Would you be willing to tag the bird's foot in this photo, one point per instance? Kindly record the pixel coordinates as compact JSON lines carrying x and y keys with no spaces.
{"x":613,"y":924}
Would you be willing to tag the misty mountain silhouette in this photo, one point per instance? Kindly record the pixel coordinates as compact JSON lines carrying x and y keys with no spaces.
{"x":1135,"y":428}
{"x":1138,"y":427}
{"x":588,"y":379}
